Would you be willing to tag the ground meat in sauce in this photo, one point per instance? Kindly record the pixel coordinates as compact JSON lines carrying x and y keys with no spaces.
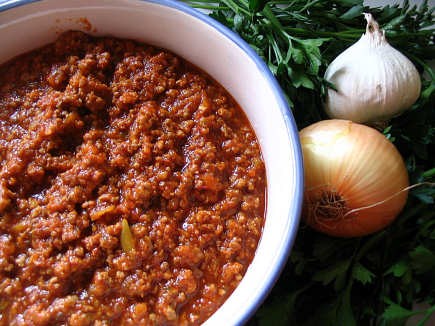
{"x":97,"y":130}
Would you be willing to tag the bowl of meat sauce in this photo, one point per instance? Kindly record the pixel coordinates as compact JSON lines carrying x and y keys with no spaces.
{"x":150,"y":170}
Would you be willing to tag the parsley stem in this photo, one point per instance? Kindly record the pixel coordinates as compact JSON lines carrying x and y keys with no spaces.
{"x":308,"y":5}
{"x":351,"y":35}
{"x":235,"y":7}
{"x":369,"y":244}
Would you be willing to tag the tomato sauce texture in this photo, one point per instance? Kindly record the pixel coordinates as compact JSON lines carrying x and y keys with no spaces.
{"x":97,"y":130}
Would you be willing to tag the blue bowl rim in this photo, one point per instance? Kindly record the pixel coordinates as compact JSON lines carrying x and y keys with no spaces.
{"x":292,"y":131}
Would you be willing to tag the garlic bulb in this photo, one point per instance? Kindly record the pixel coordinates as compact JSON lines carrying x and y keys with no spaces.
{"x":374,"y":81}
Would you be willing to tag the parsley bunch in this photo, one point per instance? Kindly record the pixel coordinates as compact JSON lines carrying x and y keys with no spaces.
{"x":373,"y":280}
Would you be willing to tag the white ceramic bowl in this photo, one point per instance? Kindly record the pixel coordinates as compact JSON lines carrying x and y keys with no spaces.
{"x":26,"y":25}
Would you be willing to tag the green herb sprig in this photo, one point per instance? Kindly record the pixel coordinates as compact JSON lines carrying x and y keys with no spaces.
{"x":374,"y":280}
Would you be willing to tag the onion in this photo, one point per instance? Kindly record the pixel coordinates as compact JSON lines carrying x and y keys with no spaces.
{"x":356,"y":182}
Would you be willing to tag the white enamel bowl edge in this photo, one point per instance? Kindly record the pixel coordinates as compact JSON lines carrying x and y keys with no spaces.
{"x":26,"y":25}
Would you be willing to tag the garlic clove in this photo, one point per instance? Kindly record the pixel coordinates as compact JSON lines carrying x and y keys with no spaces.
{"x":374,"y":81}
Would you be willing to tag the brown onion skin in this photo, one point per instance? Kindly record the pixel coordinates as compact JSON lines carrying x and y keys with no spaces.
{"x":360,"y":166}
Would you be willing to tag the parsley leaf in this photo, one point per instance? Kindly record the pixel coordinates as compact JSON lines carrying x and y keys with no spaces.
{"x":422,"y":260}
{"x":362,"y":274}
{"x":395,"y":314}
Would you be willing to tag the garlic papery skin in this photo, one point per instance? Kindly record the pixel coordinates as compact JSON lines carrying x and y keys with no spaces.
{"x":374,"y":82}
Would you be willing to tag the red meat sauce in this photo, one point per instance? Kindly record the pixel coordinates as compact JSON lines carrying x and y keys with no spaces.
{"x":97,"y":130}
